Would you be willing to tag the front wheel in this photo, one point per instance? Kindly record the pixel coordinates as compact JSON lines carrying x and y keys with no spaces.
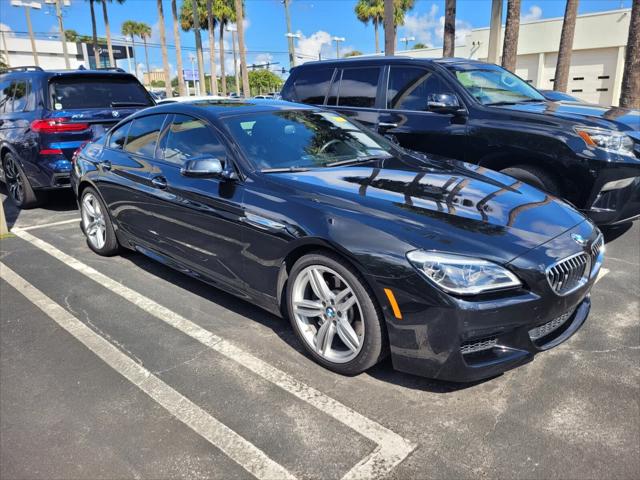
{"x":334,"y":314}
{"x":97,"y":225}
{"x":536,"y":177}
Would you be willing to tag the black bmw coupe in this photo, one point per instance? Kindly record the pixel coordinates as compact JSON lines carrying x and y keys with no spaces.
{"x":456,"y":271}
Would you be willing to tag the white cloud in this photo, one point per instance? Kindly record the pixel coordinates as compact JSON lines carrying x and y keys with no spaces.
{"x":263,"y":58}
{"x":6,"y":29}
{"x":534,"y":13}
{"x":309,"y":48}
{"x":428,"y":28}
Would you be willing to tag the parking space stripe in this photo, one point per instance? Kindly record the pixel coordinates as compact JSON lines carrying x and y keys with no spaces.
{"x":52,"y":224}
{"x":244,"y":453}
{"x":392,"y":448}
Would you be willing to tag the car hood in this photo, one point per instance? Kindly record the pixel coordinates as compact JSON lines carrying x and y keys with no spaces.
{"x":615,"y":118}
{"x":449,"y":205}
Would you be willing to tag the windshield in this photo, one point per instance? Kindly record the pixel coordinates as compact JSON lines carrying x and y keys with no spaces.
{"x":101,"y":92}
{"x":496,"y":86}
{"x":303,"y":139}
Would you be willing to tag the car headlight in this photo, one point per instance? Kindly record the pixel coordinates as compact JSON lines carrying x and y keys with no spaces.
{"x":462,"y":275}
{"x":609,"y":140}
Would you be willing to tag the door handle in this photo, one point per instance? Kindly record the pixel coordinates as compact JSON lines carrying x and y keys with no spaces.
{"x":159,"y":182}
{"x":387,"y":125}
{"x":105,"y":164}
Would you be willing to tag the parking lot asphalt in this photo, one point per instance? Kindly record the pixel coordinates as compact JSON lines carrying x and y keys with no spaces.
{"x":122,"y":368}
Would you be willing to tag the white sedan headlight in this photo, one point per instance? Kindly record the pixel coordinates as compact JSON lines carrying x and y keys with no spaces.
{"x":462,"y":275}
{"x":609,"y":140}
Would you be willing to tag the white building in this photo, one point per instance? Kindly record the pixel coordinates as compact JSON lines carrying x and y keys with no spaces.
{"x":597,"y":61}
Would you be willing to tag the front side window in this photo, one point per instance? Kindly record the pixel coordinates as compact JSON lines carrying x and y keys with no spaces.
{"x":302,"y":139}
{"x":358,"y":87}
{"x":189,"y":138}
{"x":143,"y":135}
{"x":496,"y":86}
{"x":409,"y":88}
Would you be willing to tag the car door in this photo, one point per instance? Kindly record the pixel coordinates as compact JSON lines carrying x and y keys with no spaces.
{"x":354,"y":93}
{"x":407,"y":117}
{"x":126,"y":167}
{"x":198,"y":220}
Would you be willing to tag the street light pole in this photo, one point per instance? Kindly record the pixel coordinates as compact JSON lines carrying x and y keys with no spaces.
{"x":406,"y":41}
{"x":291,"y":36}
{"x":6,"y":49}
{"x":27,"y":10}
{"x":233,"y":31}
{"x":63,"y":39}
{"x":338,"y":40}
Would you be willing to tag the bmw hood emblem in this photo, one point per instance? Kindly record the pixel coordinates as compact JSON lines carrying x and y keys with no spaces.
{"x":579,"y":239}
{"x":115,"y":113}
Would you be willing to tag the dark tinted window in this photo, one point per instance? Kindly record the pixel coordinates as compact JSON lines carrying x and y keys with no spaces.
{"x":143,"y":135}
{"x":358,"y":87}
{"x":189,"y":138}
{"x":99,"y":92}
{"x":5,"y":97}
{"x":119,"y":136}
{"x":311,"y":86}
{"x":409,"y":88}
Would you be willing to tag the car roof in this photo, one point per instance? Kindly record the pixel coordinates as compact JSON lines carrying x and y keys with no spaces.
{"x":30,"y":71}
{"x":386,"y":60}
{"x":229,"y":107}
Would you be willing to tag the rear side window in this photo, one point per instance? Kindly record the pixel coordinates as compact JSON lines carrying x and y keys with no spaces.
{"x":409,"y":88}
{"x":69,"y":93}
{"x":358,"y":87}
{"x":20,"y":96}
{"x":189,"y":138}
{"x":5,"y":97}
{"x":143,"y":135}
{"x":311,"y":86}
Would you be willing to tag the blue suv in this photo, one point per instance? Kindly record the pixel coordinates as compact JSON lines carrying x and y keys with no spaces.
{"x":46,"y":115}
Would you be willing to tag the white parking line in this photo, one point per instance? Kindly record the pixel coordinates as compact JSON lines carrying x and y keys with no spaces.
{"x":392,"y":448}
{"x":244,"y":453}
{"x":603,"y":271}
{"x":45,"y":225}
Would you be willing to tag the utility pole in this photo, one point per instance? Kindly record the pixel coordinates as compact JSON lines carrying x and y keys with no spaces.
{"x":291,"y":36}
{"x":243,"y":54}
{"x":495,"y":31}
{"x":63,"y":39}
{"x":292,"y":57}
{"x":338,"y":40}
{"x":406,"y":41}
{"x":27,"y":10}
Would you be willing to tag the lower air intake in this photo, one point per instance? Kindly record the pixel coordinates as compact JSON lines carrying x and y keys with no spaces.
{"x":478,"y":345}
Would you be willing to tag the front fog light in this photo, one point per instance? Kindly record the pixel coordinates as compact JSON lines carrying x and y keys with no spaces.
{"x":617,"y":184}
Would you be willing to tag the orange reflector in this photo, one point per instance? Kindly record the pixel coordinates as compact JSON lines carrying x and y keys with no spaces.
{"x":394,"y":305}
{"x":585,"y":136}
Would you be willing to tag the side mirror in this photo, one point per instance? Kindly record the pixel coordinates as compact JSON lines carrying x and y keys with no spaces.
{"x":443,"y":103}
{"x":202,"y":168}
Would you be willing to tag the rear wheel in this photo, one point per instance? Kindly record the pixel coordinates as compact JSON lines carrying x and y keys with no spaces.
{"x":334,"y":314}
{"x":97,"y":225}
{"x":536,"y":177}
{"x":20,"y":190}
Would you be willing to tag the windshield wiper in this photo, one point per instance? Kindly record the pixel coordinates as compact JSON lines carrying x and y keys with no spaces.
{"x":284,"y":169}
{"x":129,"y":104}
{"x":356,"y":160}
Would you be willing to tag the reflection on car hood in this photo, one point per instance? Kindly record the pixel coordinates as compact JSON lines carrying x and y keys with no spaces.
{"x":614,"y":118}
{"x":444,"y":206}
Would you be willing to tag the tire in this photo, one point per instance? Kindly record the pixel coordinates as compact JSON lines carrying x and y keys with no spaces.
{"x":536,"y":177}
{"x":19,"y":188}
{"x":364,"y":316}
{"x":96,"y":224}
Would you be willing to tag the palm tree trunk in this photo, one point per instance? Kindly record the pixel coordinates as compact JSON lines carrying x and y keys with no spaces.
{"x":135,"y":59}
{"x":212,"y":48}
{"x":630,"y":91}
{"x":96,"y":52}
{"x":223,"y":78}
{"x":146,"y":57}
{"x":165,"y":55}
{"x":243,"y":54}
{"x":561,"y":78}
{"x":511,"y":32}
{"x":377,"y":34}
{"x":112,"y":61}
{"x":449,"y":44}
{"x":389,"y":28}
{"x":196,"y":31}
{"x":176,"y":39}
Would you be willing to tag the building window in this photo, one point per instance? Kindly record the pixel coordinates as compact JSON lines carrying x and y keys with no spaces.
{"x":578,"y":78}
{"x":603,"y":77}
{"x":602,"y":89}
{"x":576,"y":90}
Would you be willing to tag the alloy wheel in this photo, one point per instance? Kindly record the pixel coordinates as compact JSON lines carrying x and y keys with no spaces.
{"x":328,"y":314}
{"x":14,"y":181}
{"x":93,"y":221}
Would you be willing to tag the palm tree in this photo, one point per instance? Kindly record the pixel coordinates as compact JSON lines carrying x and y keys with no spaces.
{"x":211,"y":25}
{"x":394,"y":11}
{"x":449,"y":40}
{"x":71,"y":35}
{"x":561,"y":78}
{"x":371,"y":10}
{"x":630,"y":91}
{"x":144,"y":32}
{"x":107,"y":28}
{"x":94,"y":41}
{"x":129,"y":29}
{"x":243,"y":54}
{"x":511,"y":31}
{"x":165,"y":55}
{"x":193,"y":16}
{"x":225,"y":13}
{"x":176,"y":39}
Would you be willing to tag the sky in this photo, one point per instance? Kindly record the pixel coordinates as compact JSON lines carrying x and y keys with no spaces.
{"x":315,"y":20}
